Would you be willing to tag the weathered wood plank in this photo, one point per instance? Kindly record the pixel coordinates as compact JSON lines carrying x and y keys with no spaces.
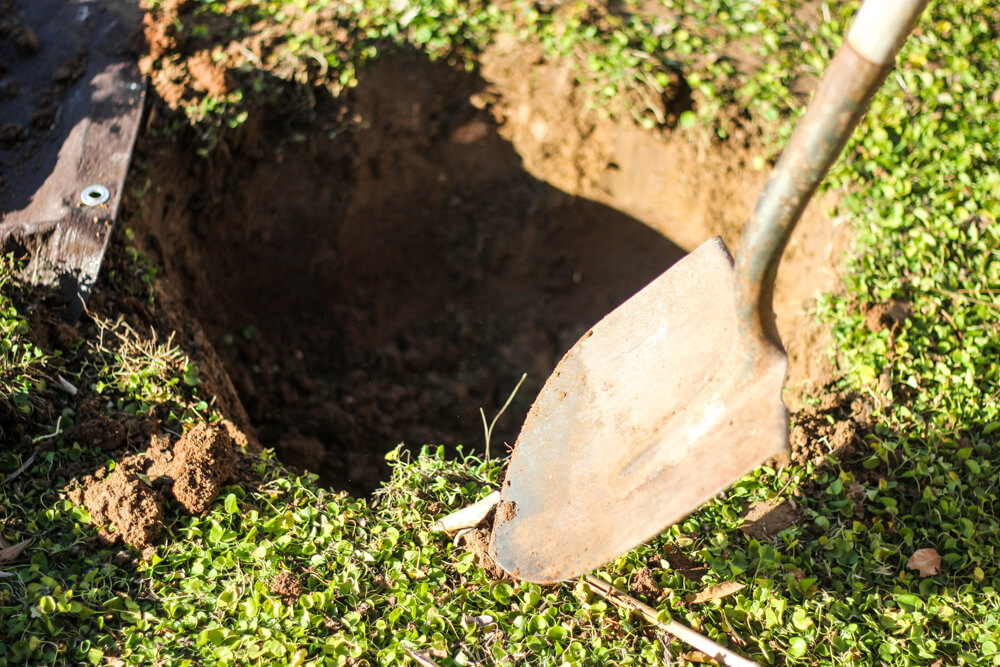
{"x":79,"y":100}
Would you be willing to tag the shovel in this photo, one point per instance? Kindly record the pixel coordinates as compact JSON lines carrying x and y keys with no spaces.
{"x":676,"y":394}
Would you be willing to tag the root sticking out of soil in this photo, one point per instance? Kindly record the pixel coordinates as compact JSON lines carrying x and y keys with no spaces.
{"x":385,"y":271}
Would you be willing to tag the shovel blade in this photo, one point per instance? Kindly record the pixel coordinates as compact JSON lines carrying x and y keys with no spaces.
{"x":648,"y":416}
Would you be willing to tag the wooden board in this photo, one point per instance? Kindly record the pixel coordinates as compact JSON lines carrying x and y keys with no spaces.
{"x":78,"y":101}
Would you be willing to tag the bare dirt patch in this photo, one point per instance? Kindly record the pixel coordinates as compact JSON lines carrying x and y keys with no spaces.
{"x":834,"y":427}
{"x":763,"y":520}
{"x":688,"y":567}
{"x":387,"y":269}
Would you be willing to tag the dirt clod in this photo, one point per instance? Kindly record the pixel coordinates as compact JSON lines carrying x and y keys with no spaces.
{"x":887,"y":315}
{"x":130,"y":500}
{"x":208,"y":77}
{"x":287,"y":586}
{"x":200,"y":463}
{"x":125,"y":504}
{"x":644,"y":584}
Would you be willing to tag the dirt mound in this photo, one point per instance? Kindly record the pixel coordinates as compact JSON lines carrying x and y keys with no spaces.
{"x":389,"y":269}
{"x":129,"y":503}
{"x":763,"y":520}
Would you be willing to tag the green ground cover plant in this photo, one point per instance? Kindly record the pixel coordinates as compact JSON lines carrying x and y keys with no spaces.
{"x":920,"y":184}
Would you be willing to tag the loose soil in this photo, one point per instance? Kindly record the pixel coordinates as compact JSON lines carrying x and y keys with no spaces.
{"x":833,"y":427}
{"x":131,"y":502}
{"x":287,"y":586}
{"x":386,"y":270}
{"x":477,"y":542}
{"x":643,"y":583}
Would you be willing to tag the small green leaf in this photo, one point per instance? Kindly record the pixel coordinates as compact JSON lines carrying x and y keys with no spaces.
{"x":797,"y":647}
{"x":502,"y":592}
{"x":801,"y":620}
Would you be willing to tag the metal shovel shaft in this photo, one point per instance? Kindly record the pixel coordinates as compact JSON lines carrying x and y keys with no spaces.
{"x":855,"y":75}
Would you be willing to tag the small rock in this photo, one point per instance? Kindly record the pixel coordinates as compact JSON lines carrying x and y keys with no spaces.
{"x":470,"y":133}
{"x":25,"y":40}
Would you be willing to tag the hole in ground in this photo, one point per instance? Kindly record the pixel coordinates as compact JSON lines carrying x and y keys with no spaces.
{"x":388,"y":271}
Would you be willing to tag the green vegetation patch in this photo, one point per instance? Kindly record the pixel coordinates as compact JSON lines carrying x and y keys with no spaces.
{"x":24,"y":368}
{"x":884,"y":557}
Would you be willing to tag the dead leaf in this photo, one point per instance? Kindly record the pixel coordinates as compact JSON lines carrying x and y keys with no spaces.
{"x":925,"y":561}
{"x":717,"y":592}
{"x":4,"y":575}
{"x":10,"y":553}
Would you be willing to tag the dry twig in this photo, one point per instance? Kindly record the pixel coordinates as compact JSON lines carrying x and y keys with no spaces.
{"x":682,"y":632}
{"x":420,"y":658}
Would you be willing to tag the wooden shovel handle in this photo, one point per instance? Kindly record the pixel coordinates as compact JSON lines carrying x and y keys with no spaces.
{"x":854,"y":76}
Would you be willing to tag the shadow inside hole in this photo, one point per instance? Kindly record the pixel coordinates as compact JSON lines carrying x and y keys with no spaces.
{"x":389,"y":271}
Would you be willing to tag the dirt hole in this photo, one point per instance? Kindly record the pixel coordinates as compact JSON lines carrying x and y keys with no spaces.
{"x":385,"y":272}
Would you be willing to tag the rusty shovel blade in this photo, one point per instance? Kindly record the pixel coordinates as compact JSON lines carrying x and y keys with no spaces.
{"x":639,"y":423}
